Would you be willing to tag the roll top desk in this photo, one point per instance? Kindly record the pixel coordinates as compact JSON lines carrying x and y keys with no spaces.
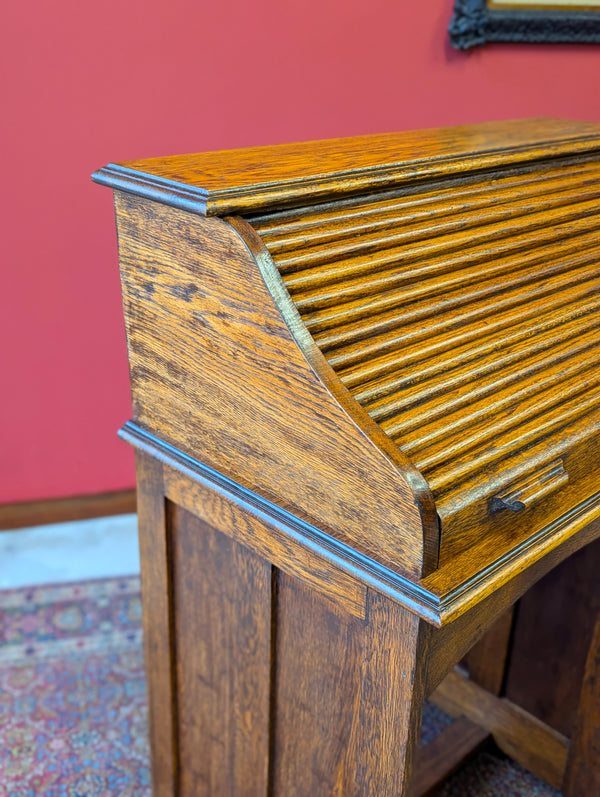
{"x":365,"y":378}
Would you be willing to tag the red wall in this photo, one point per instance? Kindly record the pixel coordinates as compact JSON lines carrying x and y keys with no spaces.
{"x":87,"y":83}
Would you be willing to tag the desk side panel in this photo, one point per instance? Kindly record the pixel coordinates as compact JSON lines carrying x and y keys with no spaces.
{"x":221,"y":609}
{"x":216,"y":372}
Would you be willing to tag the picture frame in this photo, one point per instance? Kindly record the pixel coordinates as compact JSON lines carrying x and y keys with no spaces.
{"x":476,"y":22}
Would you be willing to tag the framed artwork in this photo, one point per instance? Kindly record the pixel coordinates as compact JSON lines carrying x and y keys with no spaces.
{"x":476,"y":22}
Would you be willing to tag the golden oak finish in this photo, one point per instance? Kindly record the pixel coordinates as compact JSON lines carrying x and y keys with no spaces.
{"x":464,"y":320}
{"x":221,"y":628}
{"x":244,"y":180}
{"x":213,"y":366}
{"x":531,"y":742}
{"x":268,"y":540}
{"x":366,"y":396}
{"x":369,"y":676}
{"x":155,"y":560}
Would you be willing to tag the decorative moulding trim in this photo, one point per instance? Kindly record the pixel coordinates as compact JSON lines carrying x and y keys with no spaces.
{"x":515,"y":561}
{"x":261,"y":197}
{"x":407,"y":592}
{"x":417,"y":597}
{"x":473,"y":23}
{"x":179,"y":195}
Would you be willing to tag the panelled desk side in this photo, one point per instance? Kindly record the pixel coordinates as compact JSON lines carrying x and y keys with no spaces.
{"x":305,"y":583}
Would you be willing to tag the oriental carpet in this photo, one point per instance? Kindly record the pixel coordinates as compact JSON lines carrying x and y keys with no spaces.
{"x":73,"y":718}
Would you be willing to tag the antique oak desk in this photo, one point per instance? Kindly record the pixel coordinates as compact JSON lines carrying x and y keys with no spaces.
{"x":365,"y":378}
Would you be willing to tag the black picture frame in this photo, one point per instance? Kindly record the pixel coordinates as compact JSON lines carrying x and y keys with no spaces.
{"x":475,"y":23}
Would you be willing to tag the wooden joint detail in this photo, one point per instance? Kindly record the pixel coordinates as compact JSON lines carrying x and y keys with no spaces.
{"x":436,"y":607}
{"x":459,"y":588}
{"x":300,"y":536}
{"x":535,"y":745}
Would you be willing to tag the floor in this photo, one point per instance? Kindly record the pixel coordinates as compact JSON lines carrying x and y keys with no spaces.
{"x":75,"y":551}
{"x":107,"y":547}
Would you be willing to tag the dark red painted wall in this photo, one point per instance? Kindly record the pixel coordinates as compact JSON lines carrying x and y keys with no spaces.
{"x":86,"y":83}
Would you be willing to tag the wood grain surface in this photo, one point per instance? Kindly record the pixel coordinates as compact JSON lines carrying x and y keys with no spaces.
{"x":272,"y":541}
{"x":222,"y":660}
{"x":260,"y":683}
{"x":348,"y":710}
{"x":366,"y":402}
{"x":463,"y":317}
{"x":532,"y":743}
{"x":216,"y":372}
{"x":243,"y":180}
{"x":459,"y":311}
{"x":474,"y":590}
{"x":155,"y":562}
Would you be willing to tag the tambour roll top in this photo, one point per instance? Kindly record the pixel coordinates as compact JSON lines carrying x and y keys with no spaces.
{"x":463,"y":315}
{"x":451,"y":281}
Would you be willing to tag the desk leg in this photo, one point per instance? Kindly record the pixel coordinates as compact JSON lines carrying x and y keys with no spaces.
{"x":158,"y":630}
{"x":582,"y":776}
{"x":261,"y":685}
{"x":348,"y":696}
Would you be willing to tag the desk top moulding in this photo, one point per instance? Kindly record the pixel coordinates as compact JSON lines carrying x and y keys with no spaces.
{"x":392,"y":340}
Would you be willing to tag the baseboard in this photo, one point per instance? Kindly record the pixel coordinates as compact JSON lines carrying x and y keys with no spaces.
{"x":60,"y":510}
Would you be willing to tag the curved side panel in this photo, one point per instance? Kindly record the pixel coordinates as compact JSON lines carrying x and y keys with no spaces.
{"x":216,"y":372}
{"x":348,"y":404}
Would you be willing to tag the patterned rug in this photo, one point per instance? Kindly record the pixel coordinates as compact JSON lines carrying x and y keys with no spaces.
{"x":73,"y":719}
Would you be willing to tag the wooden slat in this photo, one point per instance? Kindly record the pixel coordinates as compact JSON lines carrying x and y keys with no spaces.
{"x":428,"y":316}
{"x":338,"y":281}
{"x":458,"y":387}
{"x":486,"y":661}
{"x":445,"y":754}
{"x":443,"y":232}
{"x":155,"y":561}
{"x":222,"y":659}
{"x":441,"y":353}
{"x":61,"y":510}
{"x":562,"y":396}
{"x":466,"y":408}
{"x":463,"y":318}
{"x":284,"y":230}
{"x":532,"y":743}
